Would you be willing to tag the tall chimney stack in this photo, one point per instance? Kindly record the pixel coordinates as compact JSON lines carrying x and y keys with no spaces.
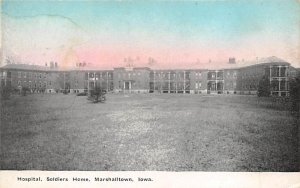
{"x":231,"y":60}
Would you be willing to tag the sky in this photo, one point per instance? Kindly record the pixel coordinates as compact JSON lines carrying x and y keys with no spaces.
{"x":159,"y":34}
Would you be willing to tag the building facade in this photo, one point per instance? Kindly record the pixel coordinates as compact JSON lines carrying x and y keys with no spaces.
{"x":276,"y":72}
{"x":242,"y":80}
{"x":131,"y":80}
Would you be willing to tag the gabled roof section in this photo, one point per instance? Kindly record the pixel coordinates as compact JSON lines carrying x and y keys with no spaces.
{"x":272,"y":59}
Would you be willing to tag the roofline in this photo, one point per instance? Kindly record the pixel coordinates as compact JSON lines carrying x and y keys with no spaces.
{"x":47,"y":69}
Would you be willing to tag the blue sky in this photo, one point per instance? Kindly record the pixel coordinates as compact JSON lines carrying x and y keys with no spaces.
{"x":175,"y":25}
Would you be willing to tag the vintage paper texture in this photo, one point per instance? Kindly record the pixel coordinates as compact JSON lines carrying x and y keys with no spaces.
{"x":155,"y":34}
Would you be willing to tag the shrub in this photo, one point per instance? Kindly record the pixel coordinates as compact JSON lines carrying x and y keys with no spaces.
{"x":97,"y":94}
{"x":5,"y":92}
{"x":263,"y":89}
{"x":24,"y":91}
{"x":295,"y":93}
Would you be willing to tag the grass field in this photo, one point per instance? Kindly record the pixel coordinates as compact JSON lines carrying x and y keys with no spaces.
{"x":148,"y":132}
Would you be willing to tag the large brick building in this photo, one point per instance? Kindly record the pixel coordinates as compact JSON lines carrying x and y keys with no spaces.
{"x":235,"y":80}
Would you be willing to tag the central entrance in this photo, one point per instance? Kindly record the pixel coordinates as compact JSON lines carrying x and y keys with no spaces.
{"x":127,"y":86}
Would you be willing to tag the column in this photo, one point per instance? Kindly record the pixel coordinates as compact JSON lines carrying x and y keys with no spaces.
{"x":153,"y":81}
{"x":88,"y":82}
{"x":94,"y":80}
{"x":64,"y":81}
{"x":279,"y":69}
{"x":100,"y":80}
{"x":216,"y":80}
{"x":176,"y":81}
{"x":183,"y":81}
{"x":107,"y":81}
{"x":169,"y":83}
{"x":285,"y":85}
{"x":271,"y":80}
{"x":6,"y":73}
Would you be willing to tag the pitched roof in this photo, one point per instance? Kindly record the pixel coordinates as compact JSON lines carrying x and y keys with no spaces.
{"x":272,"y":59}
{"x":25,"y":67}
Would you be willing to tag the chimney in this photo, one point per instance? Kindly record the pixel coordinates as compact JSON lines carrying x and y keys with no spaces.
{"x":232,"y":60}
{"x":51,"y":65}
{"x":55,"y":65}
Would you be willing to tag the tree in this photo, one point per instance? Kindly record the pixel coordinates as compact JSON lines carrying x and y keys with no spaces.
{"x":263,"y":87}
{"x":295,"y":93}
{"x":24,"y":91}
{"x":97,"y":94}
{"x":5,"y":92}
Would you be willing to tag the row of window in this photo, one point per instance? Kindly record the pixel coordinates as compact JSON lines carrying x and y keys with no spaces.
{"x":171,"y":76}
{"x":198,"y":74}
{"x":29,"y":82}
{"x":250,"y":87}
{"x":40,"y":84}
{"x":129,"y":74}
{"x":198,"y":85}
{"x":31,"y":75}
{"x":97,"y":75}
{"x":253,"y":76}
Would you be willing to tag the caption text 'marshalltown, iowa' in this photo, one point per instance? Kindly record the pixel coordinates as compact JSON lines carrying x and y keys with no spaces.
{"x":84,"y":179}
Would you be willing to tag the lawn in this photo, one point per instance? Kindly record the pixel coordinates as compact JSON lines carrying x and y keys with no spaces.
{"x":166,"y":132}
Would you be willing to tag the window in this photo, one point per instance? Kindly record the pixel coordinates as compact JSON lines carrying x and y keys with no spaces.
{"x":49,"y":83}
{"x":19,"y":83}
{"x":19,"y":74}
{"x":198,"y":85}
{"x":24,"y":75}
{"x":40,"y":75}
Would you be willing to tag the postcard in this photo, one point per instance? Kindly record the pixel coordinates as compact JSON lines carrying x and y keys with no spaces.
{"x":153,"y":93}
